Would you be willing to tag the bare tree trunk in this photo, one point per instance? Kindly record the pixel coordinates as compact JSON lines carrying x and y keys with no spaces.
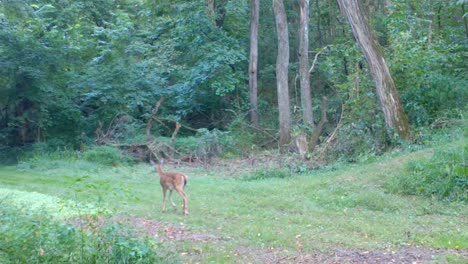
{"x":152,"y":117}
{"x":22,"y":129}
{"x":211,"y":7}
{"x":306,"y":100}
{"x":282,"y":64}
{"x":464,"y":19}
{"x":319,"y":30}
{"x":253,"y":62}
{"x":395,"y":117}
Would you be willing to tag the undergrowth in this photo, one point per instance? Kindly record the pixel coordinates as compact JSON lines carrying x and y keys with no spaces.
{"x":267,"y":174}
{"x":106,"y":155}
{"x":444,"y":176}
{"x":34,"y":237}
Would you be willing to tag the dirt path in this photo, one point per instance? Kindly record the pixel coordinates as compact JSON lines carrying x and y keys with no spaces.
{"x":145,"y":227}
{"x":410,"y":255}
{"x":164,"y":232}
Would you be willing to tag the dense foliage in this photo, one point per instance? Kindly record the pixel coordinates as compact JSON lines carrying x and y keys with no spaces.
{"x":70,"y":68}
{"x":444,"y":176}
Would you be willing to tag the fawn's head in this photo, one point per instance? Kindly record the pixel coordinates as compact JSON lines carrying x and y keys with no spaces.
{"x":154,"y":164}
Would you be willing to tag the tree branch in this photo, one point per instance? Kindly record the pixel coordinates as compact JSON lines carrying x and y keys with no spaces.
{"x":153,"y":114}
{"x":174,"y":134}
{"x":316,"y":58}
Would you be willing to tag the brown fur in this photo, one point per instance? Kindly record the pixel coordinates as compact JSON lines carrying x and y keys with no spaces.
{"x":172,"y":181}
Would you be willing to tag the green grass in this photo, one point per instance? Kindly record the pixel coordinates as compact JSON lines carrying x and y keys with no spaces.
{"x":444,"y":176}
{"x":347,"y":207}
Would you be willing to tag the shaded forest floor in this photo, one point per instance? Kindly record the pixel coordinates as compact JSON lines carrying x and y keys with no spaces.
{"x":339,"y":214}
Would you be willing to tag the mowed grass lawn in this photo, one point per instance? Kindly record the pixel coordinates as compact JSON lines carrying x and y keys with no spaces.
{"x":340,"y":208}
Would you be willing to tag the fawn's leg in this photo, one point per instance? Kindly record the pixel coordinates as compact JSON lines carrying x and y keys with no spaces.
{"x":170,"y":198}
{"x":164,"y":199}
{"x":184,"y":196}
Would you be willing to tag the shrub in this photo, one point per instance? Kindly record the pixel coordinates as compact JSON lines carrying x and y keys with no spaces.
{"x":46,"y":151}
{"x":9,"y":155}
{"x":444,"y":176}
{"x":245,"y":139}
{"x":206,"y":145}
{"x":214,"y":143}
{"x":439,"y":96}
{"x":105,"y":155}
{"x":360,"y":140}
{"x":34,"y":237}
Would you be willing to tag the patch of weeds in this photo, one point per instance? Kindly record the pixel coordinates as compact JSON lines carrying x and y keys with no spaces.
{"x":299,"y":167}
{"x":105,"y":155}
{"x":459,"y":241}
{"x":94,"y":158}
{"x":36,"y":202}
{"x":45,"y":151}
{"x":104,"y":192}
{"x":268,"y":174}
{"x":450,"y":258}
{"x":338,"y":197}
{"x":443,"y":239}
{"x":374,"y":201}
{"x":444,"y":176}
{"x":36,"y":238}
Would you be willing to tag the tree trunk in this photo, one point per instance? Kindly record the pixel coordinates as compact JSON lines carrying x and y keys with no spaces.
{"x":22,"y":127}
{"x":319,"y":30}
{"x":306,"y":100}
{"x":211,"y":7}
{"x":395,"y":117}
{"x":318,"y":129}
{"x":464,"y":19}
{"x":282,"y":64}
{"x":253,"y":62}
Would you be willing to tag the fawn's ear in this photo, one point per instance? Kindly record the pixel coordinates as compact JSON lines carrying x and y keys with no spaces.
{"x":161,"y":162}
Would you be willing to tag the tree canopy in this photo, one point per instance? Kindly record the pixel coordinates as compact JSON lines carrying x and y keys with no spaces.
{"x":68,"y":68}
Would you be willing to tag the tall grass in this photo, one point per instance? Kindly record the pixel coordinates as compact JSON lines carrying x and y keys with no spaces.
{"x":444,"y":176}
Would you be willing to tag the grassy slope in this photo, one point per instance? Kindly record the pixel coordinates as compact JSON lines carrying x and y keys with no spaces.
{"x":342,"y":208}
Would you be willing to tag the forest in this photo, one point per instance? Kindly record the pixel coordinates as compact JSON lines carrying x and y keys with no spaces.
{"x":284,"y":114}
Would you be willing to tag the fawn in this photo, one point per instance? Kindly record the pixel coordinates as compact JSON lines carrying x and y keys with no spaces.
{"x":172,"y":181}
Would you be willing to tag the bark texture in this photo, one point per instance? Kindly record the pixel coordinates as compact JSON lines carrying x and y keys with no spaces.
{"x":282,"y":64}
{"x":211,"y":7}
{"x":395,"y":117}
{"x":253,"y":61}
{"x":306,"y":99}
